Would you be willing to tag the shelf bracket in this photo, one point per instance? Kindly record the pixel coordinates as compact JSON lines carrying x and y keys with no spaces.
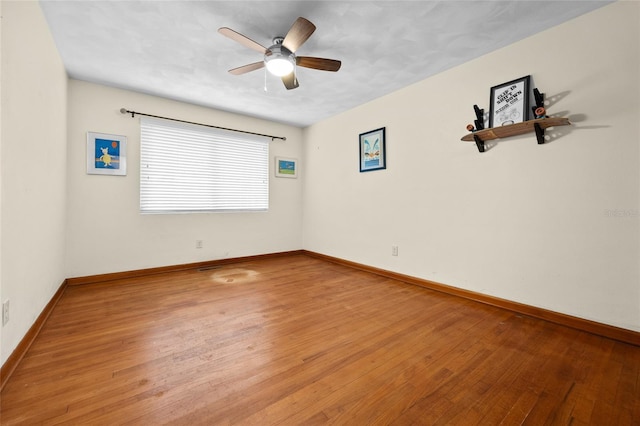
{"x":539,"y":97}
{"x":479,"y":121}
{"x":539,"y":133}
{"x":479,"y":143}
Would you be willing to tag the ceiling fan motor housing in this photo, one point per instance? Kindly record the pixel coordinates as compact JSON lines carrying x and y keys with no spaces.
{"x":278,"y":59}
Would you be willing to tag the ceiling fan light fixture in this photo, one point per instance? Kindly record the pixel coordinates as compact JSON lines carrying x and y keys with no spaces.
{"x":279,"y":60}
{"x":280,"y":66}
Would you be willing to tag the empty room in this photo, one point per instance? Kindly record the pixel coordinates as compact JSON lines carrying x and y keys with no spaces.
{"x":320,"y":212}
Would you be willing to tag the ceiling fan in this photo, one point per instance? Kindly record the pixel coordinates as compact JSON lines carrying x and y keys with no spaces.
{"x":280,"y":58}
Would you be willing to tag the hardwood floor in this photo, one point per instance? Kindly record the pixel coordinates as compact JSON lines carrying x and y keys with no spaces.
{"x":298,"y":340}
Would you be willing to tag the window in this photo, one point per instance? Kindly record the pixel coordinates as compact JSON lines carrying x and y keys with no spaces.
{"x":191,"y":168}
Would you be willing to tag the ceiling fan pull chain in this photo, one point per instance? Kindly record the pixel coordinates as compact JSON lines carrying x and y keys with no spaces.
{"x":265,"y":79}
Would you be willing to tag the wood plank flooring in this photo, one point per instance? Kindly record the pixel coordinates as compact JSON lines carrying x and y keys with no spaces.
{"x":298,"y":340}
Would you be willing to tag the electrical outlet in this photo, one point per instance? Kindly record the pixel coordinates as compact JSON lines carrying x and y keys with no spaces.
{"x":5,"y":312}
{"x":199,"y":244}
{"x":394,"y":250}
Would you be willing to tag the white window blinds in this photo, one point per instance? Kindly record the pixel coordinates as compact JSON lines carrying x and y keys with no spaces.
{"x":191,"y":168}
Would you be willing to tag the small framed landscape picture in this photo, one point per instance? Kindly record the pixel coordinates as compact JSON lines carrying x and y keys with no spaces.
{"x":509,"y":102}
{"x":286,"y":167}
{"x":106,"y":154}
{"x":373,"y":150}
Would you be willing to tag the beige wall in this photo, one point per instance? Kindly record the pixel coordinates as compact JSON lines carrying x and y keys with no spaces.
{"x":33,"y":168}
{"x":2,"y":356}
{"x":554,"y":226}
{"x":107,"y":233}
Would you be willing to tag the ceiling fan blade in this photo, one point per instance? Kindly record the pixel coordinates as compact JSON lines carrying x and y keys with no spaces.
{"x":242,"y":39}
{"x":299,"y":32}
{"x":247,"y":68}
{"x":290,"y":81}
{"x":322,"y":64}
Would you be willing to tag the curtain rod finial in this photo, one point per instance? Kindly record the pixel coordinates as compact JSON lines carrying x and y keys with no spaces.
{"x":124,"y":111}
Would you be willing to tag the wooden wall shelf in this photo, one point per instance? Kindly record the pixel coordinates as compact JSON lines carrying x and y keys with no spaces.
{"x":538,"y":126}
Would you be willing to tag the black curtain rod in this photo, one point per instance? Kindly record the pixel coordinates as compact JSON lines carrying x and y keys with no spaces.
{"x":133,"y":113}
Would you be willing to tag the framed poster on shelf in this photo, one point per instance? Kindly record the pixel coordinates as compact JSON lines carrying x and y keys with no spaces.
{"x":509,"y":102}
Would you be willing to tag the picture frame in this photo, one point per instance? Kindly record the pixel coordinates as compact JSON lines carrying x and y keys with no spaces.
{"x":373,"y":150}
{"x":509,"y":103}
{"x":286,"y":167}
{"x":106,"y":154}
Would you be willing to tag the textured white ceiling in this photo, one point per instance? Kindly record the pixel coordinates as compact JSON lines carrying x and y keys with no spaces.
{"x":172,"y":48}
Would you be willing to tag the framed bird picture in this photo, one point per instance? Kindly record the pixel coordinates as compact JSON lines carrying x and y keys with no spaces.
{"x":286,"y":167}
{"x":373,"y":150}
